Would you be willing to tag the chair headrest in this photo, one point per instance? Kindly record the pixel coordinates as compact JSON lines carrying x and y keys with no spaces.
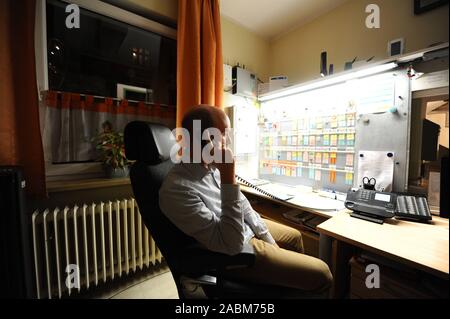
{"x":148,"y":142}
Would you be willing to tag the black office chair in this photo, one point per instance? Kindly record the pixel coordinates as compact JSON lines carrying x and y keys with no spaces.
{"x":197,"y":272}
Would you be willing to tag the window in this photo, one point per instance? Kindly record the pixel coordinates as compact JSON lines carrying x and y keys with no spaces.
{"x":85,"y":74}
{"x":104,"y":54}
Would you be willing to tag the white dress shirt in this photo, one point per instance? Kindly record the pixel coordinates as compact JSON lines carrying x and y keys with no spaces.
{"x":217,"y":216}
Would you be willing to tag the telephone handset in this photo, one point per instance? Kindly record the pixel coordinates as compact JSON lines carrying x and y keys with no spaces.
{"x":280,"y":197}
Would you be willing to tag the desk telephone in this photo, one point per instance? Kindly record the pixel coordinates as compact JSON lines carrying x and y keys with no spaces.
{"x":377,"y":206}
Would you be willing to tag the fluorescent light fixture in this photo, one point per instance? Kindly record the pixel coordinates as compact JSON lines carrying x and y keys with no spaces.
{"x":338,"y":78}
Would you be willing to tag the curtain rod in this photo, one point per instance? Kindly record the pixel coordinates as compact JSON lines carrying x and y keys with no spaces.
{"x":112,"y":98}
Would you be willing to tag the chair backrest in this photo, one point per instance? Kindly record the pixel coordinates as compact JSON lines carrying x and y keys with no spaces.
{"x":149,"y":144}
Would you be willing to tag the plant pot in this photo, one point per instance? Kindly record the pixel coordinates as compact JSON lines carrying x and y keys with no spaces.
{"x":116,"y":172}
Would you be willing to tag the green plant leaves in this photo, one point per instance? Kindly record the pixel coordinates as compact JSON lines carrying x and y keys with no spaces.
{"x":111,"y":147}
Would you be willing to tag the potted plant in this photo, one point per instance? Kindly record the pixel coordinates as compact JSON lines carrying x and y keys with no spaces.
{"x":111,"y":148}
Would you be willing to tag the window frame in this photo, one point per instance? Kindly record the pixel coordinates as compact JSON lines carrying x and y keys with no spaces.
{"x":72,"y":171}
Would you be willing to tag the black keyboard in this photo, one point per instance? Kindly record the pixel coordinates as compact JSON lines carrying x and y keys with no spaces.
{"x":413,"y":208}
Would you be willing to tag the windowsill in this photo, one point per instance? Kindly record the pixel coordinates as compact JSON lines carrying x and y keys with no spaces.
{"x":73,"y":185}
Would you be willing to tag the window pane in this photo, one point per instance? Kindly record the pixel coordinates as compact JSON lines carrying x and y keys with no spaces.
{"x":104,"y":53}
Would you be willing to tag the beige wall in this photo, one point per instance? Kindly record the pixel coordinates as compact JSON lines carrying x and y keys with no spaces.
{"x":440,"y":120}
{"x":342,"y":33}
{"x":167,"y":8}
{"x":246,"y":48}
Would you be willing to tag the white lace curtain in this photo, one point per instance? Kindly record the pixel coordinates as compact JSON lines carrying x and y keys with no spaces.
{"x":70,"y":121}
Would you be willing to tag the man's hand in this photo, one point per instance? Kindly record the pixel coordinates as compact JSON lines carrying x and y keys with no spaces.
{"x":227,"y":170}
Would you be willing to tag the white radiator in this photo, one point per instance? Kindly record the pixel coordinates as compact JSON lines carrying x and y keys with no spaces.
{"x":104,"y":240}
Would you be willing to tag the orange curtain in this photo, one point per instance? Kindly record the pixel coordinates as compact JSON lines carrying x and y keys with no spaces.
{"x":20,"y":137}
{"x":199,"y":55}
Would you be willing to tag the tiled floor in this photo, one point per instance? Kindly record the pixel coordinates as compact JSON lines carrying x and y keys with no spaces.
{"x":161,"y":286}
{"x":155,"y":284}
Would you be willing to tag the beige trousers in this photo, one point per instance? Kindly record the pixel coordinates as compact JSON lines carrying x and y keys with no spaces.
{"x":286,"y":265}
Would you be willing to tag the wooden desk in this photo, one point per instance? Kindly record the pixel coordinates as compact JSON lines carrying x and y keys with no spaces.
{"x":421,"y":246}
{"x":424,"y":247}
{"x":324,"y":213}
{"x":273,"y":209}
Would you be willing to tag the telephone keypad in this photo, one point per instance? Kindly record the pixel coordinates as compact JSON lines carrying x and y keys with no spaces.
{"x":365,"y":195}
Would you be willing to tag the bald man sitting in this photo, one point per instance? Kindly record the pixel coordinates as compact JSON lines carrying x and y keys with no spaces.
{"x":205,"y":202}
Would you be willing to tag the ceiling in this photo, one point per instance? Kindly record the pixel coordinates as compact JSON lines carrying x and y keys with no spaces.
{"x":272,"y":18}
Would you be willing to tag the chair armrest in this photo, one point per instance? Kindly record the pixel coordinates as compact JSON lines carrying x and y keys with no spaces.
{"x":197,"y":259}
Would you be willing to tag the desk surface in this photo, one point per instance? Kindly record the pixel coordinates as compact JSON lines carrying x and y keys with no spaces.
{"x":296,"y":202}
{"x":422,"y":246}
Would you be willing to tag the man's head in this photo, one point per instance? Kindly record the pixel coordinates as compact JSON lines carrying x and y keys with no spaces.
{"x":204,"y":117}
{"x":210,"y":116}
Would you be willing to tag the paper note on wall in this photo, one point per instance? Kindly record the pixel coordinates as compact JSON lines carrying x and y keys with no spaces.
{"x":375,"y":94}
{"x":318,"y":175}
{"x":341,"y":139}
{"x":350,"y":120}
{"x":326,"y":140}
{"x":348,"y":178}
{"x":305,"y":157}
{"x":350,"y":139}
{"x":341,"y":120}
{"x":319,"y":124}
{"x":334,"y":122}
{"x":325,"y":159}
{"x":318,"y":158}
{"x":378,"y":165}
{"x":333,"y":157}
{"x":349,"y":160}
{"x":319,"y":140}
{"x":333,"y":140}
{"x":332,"y":176}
